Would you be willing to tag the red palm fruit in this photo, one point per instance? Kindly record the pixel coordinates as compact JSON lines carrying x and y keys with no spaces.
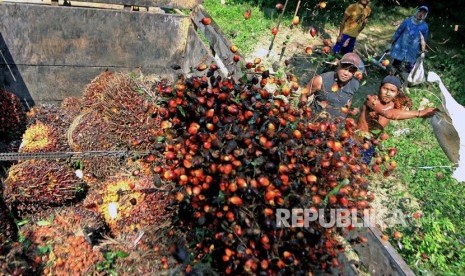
{"x":343,"y":201}
{"x":383,"y":136}
{"x":274,"y":31}
{"x":337,"y":147}
{"x":264,"y":181}
{"x":313,"y":31}
{"x":249,"y":65}
{"x":285,"y":90}
{"x":233,"y":48}
{"x":269,"y":195}
{"x":295,"y":20}
{"x":334,"y":87}
{"x":332,"y":199}
{"x":316,"y":199}
{"x":236,"y":58}
{"x":247,"y":14}
{"x":206,"y":21}
{"x":297,"y":134}
{"x":308,"y":50}
{"x":230,"y":216}
{"x":326,"y":49}
{"x":322,"y":5}
{"x":397,"y":235}
{"x":235,"y":200}
{"x":279,"y":6}
{"x":201,"y":67}
{"x":213,"y":67}
{"x":358,"y":75}
{"x":193,"y":128}
{"x":257,"y":60}
{"x":392,"y":152}
{"x":311,"y":178}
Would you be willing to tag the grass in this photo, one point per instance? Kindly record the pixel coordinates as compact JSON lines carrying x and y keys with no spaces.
{"x":435,"y":244}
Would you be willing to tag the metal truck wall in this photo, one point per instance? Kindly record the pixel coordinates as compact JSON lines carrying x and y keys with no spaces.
{"x":52,"y":52}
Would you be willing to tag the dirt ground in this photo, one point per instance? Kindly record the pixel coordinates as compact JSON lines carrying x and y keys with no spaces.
{"x":290,"y":44}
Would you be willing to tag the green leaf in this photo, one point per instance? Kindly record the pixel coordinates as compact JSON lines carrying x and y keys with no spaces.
{"x":121,"y":254}
{"x":44,"y":223}
{"x":181,"y":110}
{"x":22,"y":222}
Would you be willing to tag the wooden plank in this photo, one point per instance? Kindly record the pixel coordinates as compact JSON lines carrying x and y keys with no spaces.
{"x":55,"y":51}
{"x":198,"y":52}
{"x":377,"y":255}
{"x":218,"y":42}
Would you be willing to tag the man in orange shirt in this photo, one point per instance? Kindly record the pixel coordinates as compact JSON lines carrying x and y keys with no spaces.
{"x":354,"y":21}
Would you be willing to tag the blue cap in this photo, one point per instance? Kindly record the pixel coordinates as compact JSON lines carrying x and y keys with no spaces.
{"x":425,"y":8}
{"x":392,"y":80}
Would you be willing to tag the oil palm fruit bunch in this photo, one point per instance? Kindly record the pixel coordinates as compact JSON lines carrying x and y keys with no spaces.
{"x":36,"y":185}
{"x":129,"y":113}
{"x":130,"y":203}
{"x":92,"y":95}
{"x":237,"y":155}
{"x":40,"y":137}
{"x":64,"y":239}
{"x":90,"y":132}
{"x":71,"y":106}
{"x":53,"y":117}
{"x":12,"y":117}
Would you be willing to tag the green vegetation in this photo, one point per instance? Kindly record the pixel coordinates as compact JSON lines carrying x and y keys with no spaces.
{"x":434,"y":243}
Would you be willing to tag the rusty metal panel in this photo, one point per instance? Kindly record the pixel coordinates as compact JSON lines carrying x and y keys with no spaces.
{"x":54,"y":51}
{"x":169,"y":4}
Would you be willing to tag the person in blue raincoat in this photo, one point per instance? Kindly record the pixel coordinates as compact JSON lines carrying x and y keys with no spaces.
{"x":407,"y":42}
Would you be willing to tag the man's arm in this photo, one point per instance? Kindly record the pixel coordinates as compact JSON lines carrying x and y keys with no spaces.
{"x":397,"y":114}
{"x":341,"y":27}
{"x":315,"y":84}
{"x":399,"y":31}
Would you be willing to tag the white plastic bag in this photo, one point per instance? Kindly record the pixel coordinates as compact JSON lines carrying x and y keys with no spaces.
{"x":417,"y":75}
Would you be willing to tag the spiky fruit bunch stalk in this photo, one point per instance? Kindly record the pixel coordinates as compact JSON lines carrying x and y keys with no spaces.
{"x":68,"y":236}
{"x":12,"y":117}
{"x":36,"y":185}
{"x":39,"y":138}
{"x":148,"y":250}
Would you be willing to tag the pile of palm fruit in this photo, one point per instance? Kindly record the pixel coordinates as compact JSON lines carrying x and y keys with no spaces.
{"x":216,"y":158}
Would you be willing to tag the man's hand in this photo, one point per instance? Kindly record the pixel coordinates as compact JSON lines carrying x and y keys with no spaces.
{"x":428,"y":112}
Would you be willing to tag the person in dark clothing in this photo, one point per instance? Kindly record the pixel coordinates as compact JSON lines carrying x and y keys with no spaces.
{"x":332,"y":92}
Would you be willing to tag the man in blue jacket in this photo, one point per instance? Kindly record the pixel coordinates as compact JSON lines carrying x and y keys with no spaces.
{"x":407,"y":41}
